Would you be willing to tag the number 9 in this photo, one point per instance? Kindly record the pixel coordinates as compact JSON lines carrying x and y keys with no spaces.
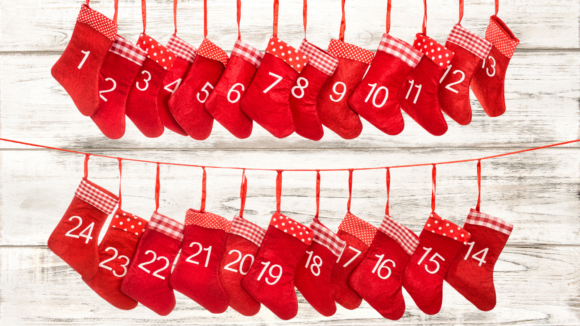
{"x":337,"y":93}
{"x":277,"y":277}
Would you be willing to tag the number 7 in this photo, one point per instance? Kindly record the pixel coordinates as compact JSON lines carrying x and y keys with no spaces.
{"x":275,"y":83}
{"x":354,"y":257}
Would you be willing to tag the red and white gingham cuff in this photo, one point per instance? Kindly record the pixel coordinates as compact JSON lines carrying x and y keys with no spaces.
{"x":327,"y":238}
{"x":400,"y":49}
{"x":166,"y":225}
{"x":181,"y":48}
{"x":293,"y":228}
{"x":319,"y":58}
{"x":211,"y":51}
{"x":206,"y":220}
{"x":98,"y":21}
{"x":501,"y":36}
{"x":470,"y":41}
{"x":247,"y":230}
{"x":406,"y":238}
{"x":477,"y":218}
{"x":436,"y":224}
{"x":358,"y":228}
{"x":128,"y":50}
{"x":248,"y":53}
{"x":96,"y":196}
{"x":349,"y":51}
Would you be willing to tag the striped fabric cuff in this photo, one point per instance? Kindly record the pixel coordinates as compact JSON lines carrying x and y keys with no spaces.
{"x":128,"y":50}
{"x":96,"y":196}
{"x":98,"y":21}
{"x":327,"y":238}
{"x":400,"y":49}
{"x":247,"y":230}
{"x":288,"y":225}
{"x":248,"y":53}
{"x":181,"y":48}
{"x":206,"y":220}
{"x":319,"y":58}
{"x":211,"y":51}
{"x":358,"y":228}
{"x":446,"y":228}
{"x":167,"y":226}
{"x":501,"y":36}
{"x":470,"y":41}
{"x":481,"y":219}
{"x":340,"y":49}
{"x":406,"y":238}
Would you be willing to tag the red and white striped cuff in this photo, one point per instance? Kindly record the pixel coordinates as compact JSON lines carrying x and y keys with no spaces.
{"x":319,"y":58}
{"x":406,"y":238}
{"x":494,"y":223}
{"x":327,"y":238}
{"x":206,"y":220}
{"x":469,"y":41}
{"x":400,"y":49}
{"x":431,"y":49}
{"x":438,"y":225}
{"x":358,"y":228}
{"x":247,"y":230}
{"x":98,"y":21}
{"x":340,"y":49}
{"x":166,"y":225}
{"x":501,"y":36}
{"x":128,"y":222}
{"x":128,"y":50}
{"x":288,"y":225}
{"x":211,"y":51}
{"x":248,"y":53}
{"x":181,"y":48}
{"x":96,"y":196}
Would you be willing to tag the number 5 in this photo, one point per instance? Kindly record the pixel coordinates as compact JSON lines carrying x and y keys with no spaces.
{"x":435,"y":255}
{"x":204,"y":89}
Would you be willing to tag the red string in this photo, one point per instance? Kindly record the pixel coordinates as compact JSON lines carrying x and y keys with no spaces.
{"x":120,"y":179}
{"x":342,"y":24}
{"x":175,"y":16}
{"x":276,"y":5}
{"x":204,"y":19}
{"x":317,"y":194}
{"x":239,"y":5}
{"x":460,"y":11}
{"x":388,"y":190}
{"x":388,"y":16}
{"x":203,"y":191}
{"x":88,"y":2}
{"x":425,"y":17}
{"x":157,"y":188}
{"x":433,"y":187}
{"x":496,"y":6}
{"x":87,"y":165}
{"x":116,"y":11}
{"x":278,"y":190}
{"x":349,"y":189}
{"x":305,"y":16}
{"x":144,"y":14}
{"x":478,"y":185}
{"x":243,"y":191}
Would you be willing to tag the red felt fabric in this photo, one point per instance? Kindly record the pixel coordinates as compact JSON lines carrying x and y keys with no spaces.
{"x":278,"y":249}
{"x":465,"y":275}
{"x":201,"y":282}
{"x":152,"y":291}
{"x":187,"y":103}
{"x":107,"y":283}
{"x":388,"y":71}
{"x":333,"y":109}
{"x":341,"y":290}
{"x":82,"y":84}
{"x":224,"y":102}
{"x":426,"y":288}
{"x":79,"y":252}
{"x":303,"y":102}
{"x":240,"y":300}
{"x":110,"y":114}
{"x":171,"y":83}
{"x":271,"y":110}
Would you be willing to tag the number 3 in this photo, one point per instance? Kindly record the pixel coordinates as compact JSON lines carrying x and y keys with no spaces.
{"x":103,"y":263}
{"x":146,"y":80}
{"x":492,"y":66}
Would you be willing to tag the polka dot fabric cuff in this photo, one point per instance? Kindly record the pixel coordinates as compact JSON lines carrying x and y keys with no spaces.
{"x":358,"y":228}
{"x":211,"y":51}
{"x":448,"y":229}
{"x":281,"y":50}
{"x":433,"y":50}
{"x":288,"y":225}
{"x":156,"y":51}
{"x":206,"y":220}
{"x":501,"y":36}
{"x":128,"y":222}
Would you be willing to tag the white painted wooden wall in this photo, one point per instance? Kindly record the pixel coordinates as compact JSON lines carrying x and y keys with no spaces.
{"x":537,"y":277}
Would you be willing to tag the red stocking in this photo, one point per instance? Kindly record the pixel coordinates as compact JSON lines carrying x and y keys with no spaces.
{"x":184,"y":56}
{"x":75,"y":237}
{"x":471,"y":274}
{"x":358,"y":235}
{"x":187,"y":103}
{"x":470,"y":50}
{"x":196,"y":273}
{"x":142,"y":103}
{"x":333,"y":108}
{"x":242,"y":245}
{"x":418,"y":95}
{"x":77,"y":70}
{"x":147,"y":280}
{"x":315,"y":269}
{"x":377,"y":97}
{"x":224,"y":102}
{"x":383,"y":267}
{"x":118,"y":72}
{"x":488,"y":82}
{"x":439,"y":243}
{"x":115,"y":253}
{"x":320,"y":67}
{"x":270,"y":280}
{"x":267,"y":100}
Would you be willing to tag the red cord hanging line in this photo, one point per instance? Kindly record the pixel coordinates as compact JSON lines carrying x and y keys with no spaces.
{"x":478,"y":185}
{"x":496,"y":7}
{"x":388,"y":16}
{"x":275,"y":25}
{"x":350,"y":171}
{"x":342,"y":23}
{"x":305,"y":16}
{"x":116,"y":11}
{"x":425,"y":18}
{"x":243,"y":192}
{"x":278,"y":190}
{"x":433,"y":187}
{"x":120,"y":179}
{"x":175,"y":16}
{"x":239,"y":17}
{"x":388,"y":190}
{"x":144,"y":14}
{"x":460,"y":11}
{"x":204,"y":19}
{"x":203,"y":191}
{"x":157,"y":188}
{"x":87,"y":156}
{"x":317,"y":194}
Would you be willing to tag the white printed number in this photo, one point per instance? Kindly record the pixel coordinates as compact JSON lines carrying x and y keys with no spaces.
{"x":277,"y":277}
{"x":243,"y":259}
{"x":172,"y":90}
{"x":453,"y":83}
{"x":412,"y":82}
{"x":274,"y":83}
{"x":354,"y":257}
{"x":86,"y":53}
{"x":104,"y":262}
{"x":201,"y":248}
{"x":156,"y":273}
{"x":381,"y":264}
{"x":492,"y":66}
{"x":86,"y":233}
{"x":482,"y":254}
{"x":300,"y":87}
{"x":315,"y":266}
{"x":378,"y":90}
{"x":236,"y":92}
{"x":435,"y":255}
{"x":204,"y":90}
{"x":341,"y":94}
{"x":108,"y":90}
{"x":146,"y":80}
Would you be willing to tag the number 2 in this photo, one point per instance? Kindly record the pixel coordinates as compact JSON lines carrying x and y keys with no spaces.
{"x":108,"y":90}
{"x":142,"y":265}
{"x":273,"y":84}
{"x":86,"y":53}
{"x":86,"y":233}
{"x":229,"y":268}
{"x":453,"y":83}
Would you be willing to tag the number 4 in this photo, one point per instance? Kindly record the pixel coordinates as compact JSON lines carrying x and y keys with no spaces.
{"x":480,"y":259}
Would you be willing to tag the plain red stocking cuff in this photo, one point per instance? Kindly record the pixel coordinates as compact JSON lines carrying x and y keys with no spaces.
{"x":181,"y":49}
{"x":288,"y":225}
{"x":358,"y":228}
{"x":166,"y":226}
{"x":501,"y":36}
{"x":281,"y":50}
{"x":469,"y":41}
{"x":96,"y":196}
{"x":318,"y":58}
{"x":325,"y":237}
{"x":406,"y":238}
{"x":98,"y":22}
{"x":209,"y":50}
{"x":247,"y":230}
{"x":248,"y":53}
{"x":400,"y":49}
{"x":494,"y":223}
{"x":440,"y":55}
{"x":448,"y":229}
{"x":340,"y":49}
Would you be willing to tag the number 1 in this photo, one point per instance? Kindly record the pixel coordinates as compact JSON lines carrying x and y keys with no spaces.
{"x":86,"y":53}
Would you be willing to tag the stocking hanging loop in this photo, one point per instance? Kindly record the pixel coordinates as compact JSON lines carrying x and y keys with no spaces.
{"x":116,"y":10}
{"x":175,"y":16}
{"x":204,"y":19}
{"x":144,"y":14}
{"x":461,"y":5}
{"x":388,"y":16}
{"x":239,"y":16}
{"x":478,"y":185}
{"x":388,"y":190}
{"x":305,"y":16}
{"x":243,"y":191}
{"x":203,"y":190}
{"x":350,"y":171}
{"x":317,"y":194}
{"x":157,"y":188}
{"x":278,"y":190}
{"x":433,"y":187}
{"x":275,"y":25}
{"x":87,"y":156}
{"x":342,"y":23}
{"x":425,"y":17}
{"x":496,"y":6}
{"x":120,"y":179}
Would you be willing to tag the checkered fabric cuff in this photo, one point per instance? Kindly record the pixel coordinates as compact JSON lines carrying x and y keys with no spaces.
{"x":97,"y":21}
{"x":433,"y":50}
{"x":319,"y":58}
{"x":348,"y":51}
{"x":288,"y":225}
{"x":438,"y":225}
{"x":247,"y":230}
{"x":327,"y":238}
{"x":501,"y":36}
{"x":281,"y":50}
{"x":128,"y":50}
{"x":211,"y":51}
{"x":248,"y":53}
{"x":469,"y":41}
{"x":406,"y":238}
{"x":400,"y":49}
{"x":206,"y":220}
{"x":167,"y":226}
{"x":96,"y":196}
{"x":477,"y":218}
{"x":181,"y":48}
{"x":358,"y":228}
{"x":128,"y":222}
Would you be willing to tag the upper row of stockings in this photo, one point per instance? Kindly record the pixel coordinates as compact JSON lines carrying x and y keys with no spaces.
{"x":284,"y":90}
{"x":240,"y":265}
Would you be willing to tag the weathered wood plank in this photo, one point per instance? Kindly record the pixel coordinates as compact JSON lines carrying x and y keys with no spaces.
{"x":47,"y":26}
